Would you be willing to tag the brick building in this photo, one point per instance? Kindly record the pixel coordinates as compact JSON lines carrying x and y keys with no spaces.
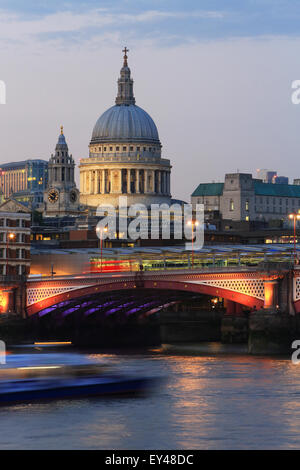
{"x":15,"y":222}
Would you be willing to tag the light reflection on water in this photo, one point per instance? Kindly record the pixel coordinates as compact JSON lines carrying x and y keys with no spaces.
{"x":221,"y":402}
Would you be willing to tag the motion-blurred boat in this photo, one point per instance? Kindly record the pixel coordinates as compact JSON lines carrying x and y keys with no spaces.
{"x":34,"y":377}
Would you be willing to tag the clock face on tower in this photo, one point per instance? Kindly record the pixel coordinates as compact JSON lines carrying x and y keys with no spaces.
{"x":73,"y":196}
{"x":53,"y":195}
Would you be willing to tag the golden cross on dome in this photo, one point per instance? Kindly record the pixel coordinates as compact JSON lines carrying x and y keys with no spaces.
{"x":61,"y":130}
{"x":125,"y":50}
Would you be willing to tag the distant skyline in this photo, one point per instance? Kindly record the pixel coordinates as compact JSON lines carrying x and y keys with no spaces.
{"x":215,"y":76}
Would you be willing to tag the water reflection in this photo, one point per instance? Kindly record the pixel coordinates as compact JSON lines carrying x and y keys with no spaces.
{"x":222,"y":402}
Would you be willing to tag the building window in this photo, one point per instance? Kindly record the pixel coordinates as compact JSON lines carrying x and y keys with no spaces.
{"x":231,"y":205}
{"x":104,"y":148}
{"x":247,"y":205}
{"x":124,"y":149}
{"x":131,"y":149}
{"x":117,"y":149}
{"x":247,"y":218}
{"x":110,"y":149}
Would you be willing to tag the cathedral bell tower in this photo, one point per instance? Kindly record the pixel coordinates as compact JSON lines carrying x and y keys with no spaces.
{"x":61,"y":197}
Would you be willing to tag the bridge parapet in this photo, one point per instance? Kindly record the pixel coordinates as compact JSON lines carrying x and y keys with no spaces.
{"x":245,"y":286}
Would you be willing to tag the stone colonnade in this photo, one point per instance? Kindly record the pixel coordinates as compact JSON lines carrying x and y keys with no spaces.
{"x":125,"y":181}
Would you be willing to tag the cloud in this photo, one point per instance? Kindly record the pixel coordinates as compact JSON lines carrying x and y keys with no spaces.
{"x":18,"y":28}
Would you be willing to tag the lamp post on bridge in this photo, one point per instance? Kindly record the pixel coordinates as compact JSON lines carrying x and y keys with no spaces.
{"x":193,"y":223}
{"x":101,"y":231}
{"x":294,"y":216}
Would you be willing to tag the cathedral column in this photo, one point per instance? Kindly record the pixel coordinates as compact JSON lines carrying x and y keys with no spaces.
{"x":95,"y":182}
{"x":137,"y":181}
{"x":159,"y":182}
{"x":91,"y":182}
{"x":109,"y":182}
{"x":85,"y":182}
{"x":81,"y":182}
{"x":128,"y":181}
{"x":103,"y":182}
{"x":120,"y":181}
{"x":99,"y":181}
{"x":163,"y":180}
{"x":96,"y":185}
{"x":145,"y":181}
{"x":153,"y":181}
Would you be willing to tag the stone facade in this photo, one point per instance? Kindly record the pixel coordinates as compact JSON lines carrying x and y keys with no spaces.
{"x":242,"y":197}
{"x":15,"y":221}
{"x":61,"y":197}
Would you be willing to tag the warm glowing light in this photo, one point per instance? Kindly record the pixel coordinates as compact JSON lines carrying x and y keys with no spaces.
{"x":3,"y":302}
{"x":39,"y":367}
{"x":294,"y":216}
{"x":52,"y":343}
{"x":11,"y":236}
{"x":193,"y":222}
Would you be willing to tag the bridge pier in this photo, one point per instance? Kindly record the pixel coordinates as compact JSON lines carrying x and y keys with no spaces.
{"x":233,"y":308}
{"x":271,"y":294}
{"x":190,"y":326}
{"x":234,"y":326}
{"x":272,"y":333}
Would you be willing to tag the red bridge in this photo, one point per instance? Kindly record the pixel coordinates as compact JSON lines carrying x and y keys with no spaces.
{"x":268,"y":287}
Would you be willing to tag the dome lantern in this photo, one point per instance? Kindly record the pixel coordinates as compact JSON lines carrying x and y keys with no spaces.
{"x":125,"y":84}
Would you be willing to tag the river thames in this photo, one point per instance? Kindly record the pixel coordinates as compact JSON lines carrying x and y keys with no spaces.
{"x":230,"y":401}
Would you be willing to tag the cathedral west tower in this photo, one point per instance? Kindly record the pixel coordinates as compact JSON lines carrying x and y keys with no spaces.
{"x":125,"y":154}
{"x":61,"y":197}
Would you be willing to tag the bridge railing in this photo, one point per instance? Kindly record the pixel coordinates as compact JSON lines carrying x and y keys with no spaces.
{"x":263,"y":267}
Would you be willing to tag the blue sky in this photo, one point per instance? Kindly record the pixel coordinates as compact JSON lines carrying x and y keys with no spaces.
{"x":214,"y":75}
{"x":172,"y":21}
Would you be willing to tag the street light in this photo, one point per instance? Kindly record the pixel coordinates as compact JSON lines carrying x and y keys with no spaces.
{"x":9,"y":238}
{"x":193,"y":223}
{"x":294,"y":216}
{"x":101,"y":230}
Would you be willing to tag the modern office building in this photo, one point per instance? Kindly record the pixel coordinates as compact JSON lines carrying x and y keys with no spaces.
{"x":266,"y":175}
{"x":27,"y":179}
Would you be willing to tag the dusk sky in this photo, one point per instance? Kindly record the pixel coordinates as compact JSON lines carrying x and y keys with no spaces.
{"x":214,"y":75}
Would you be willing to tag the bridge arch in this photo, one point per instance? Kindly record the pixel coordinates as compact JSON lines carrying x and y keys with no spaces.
{"x":45,"y":306}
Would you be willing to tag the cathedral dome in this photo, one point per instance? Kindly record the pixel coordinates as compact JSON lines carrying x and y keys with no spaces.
{"x":125,"y":123}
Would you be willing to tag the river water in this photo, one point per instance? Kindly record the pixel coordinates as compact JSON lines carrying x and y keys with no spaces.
{"x":227,"y":401}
